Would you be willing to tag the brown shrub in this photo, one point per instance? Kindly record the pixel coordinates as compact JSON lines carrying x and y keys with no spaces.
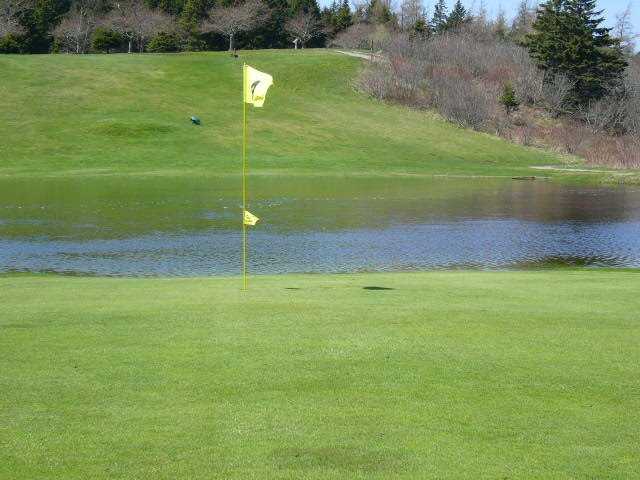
{"x":461,"y":76}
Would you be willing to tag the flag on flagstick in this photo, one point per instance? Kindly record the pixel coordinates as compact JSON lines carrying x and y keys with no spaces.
{"x":256,"y":84}
{"x":249,"y":218}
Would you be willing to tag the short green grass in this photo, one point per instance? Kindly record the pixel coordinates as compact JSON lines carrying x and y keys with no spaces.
{"x":442,"y":375}
{"x":93,"y":114}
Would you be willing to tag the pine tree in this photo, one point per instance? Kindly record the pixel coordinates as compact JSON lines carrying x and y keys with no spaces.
{"x":439,"y":20}
{"x":508,"y":99}
{"x":192,"y":14}
{"x":568,"y":39}
{"x":342,"y":17}
{"x":272,"y":33}
{"x":421,"y":28}
{"x":458,"y":17}
{"x":499,"y":26}
{"x":379,"y":11}
{"x":305,"y":6}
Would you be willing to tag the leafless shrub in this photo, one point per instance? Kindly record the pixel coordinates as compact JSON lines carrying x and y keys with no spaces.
{"x":621,"y":152}
{"x":379,"y":84}
{"x":362,"y":36}
{"x":303,"y":27}
{"x":606,"y":115}
{"x":137,"y":22}
{"x":454,"y":74}
{"x":529,"y":79}
{"x":461,"y":102}
{"x":9,"y":24}
{"x":570,"y":137}
{"x":618,"y":113}
{"x":629,"y":152}
{"x":555,"y":92}
{"x":74,"y":31}
{"x":235,"y":19}
{"x":462,"y":75}
{"x":357,"y":36}
{"x":525,"y":135}
{"x":632,"y":93}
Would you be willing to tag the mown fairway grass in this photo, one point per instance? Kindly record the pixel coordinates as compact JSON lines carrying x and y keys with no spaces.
{"x":461,"y":375}
{"x":93,"y":114}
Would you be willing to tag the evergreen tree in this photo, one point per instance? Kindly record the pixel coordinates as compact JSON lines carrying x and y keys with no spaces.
{"x":379,"y":11}
{"x":499,"y":26}
{"x":568,"y":39}
{"x":272,"y":33}
{"x":192,"y":14}
{"x":458,"y":17}
{"x":421,"y":28}
{"x":336,"y":17}
{"x":305,"y":6}
{"x":439,"y":20}
{"x":342,"y":17}
{"x":508,"y":99}
{"x":328,"y":18}
{"x":105,"y":40}
{"x":38,"y":21}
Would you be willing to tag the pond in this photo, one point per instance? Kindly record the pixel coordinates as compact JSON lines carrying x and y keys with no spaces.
{"x":189,"y":226}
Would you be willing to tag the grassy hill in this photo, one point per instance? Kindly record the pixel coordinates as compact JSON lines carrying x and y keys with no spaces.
{"x":130,"y":113}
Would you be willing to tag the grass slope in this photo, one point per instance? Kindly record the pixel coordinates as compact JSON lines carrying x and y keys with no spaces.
{"x":130,"y":113}
{"x":446,"y":375}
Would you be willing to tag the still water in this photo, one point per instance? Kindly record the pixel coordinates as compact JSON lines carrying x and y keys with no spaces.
{"x":187,"y":226}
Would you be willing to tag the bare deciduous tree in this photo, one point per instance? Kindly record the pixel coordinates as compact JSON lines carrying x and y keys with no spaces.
{"x":234,"y":19}
{"x":75,"y":29}
{"x":137,"y":22}
{"x":304,"y":27}
{"x":9,"y":24}
{"x":523,"y":21}
{"x":363,"y":36}
{"x":623,"y":30}
{"x":411,"y":12}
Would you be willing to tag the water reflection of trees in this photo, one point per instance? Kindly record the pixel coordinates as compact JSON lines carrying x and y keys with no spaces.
{"x":111,"y":207}
{"x":382,"y":204}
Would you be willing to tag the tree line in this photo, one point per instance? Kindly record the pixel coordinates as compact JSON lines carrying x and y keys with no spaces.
{"x":80,"y":26}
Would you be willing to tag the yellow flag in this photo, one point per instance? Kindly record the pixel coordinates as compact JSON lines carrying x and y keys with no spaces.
{"x":256,"y":84}
{"x":249,"y":218}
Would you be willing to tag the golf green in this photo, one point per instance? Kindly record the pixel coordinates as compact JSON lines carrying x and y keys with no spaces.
{"x":460,"y":375}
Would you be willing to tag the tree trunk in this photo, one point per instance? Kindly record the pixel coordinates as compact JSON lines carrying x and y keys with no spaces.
{"x":231,"y":42}
{"x":130,"y":42}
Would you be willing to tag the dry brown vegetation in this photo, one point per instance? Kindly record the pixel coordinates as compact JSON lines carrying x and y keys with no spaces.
{"x":462,"y":76}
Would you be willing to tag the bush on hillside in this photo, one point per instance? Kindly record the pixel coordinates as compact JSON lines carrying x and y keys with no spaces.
{"x":105,"y":40}
{"x":164,"y":43}
{"x":362,"y":36}
{"x":10,"y":44}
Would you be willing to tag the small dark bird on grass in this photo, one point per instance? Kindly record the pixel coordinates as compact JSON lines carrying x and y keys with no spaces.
{"x":195,"y":120}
